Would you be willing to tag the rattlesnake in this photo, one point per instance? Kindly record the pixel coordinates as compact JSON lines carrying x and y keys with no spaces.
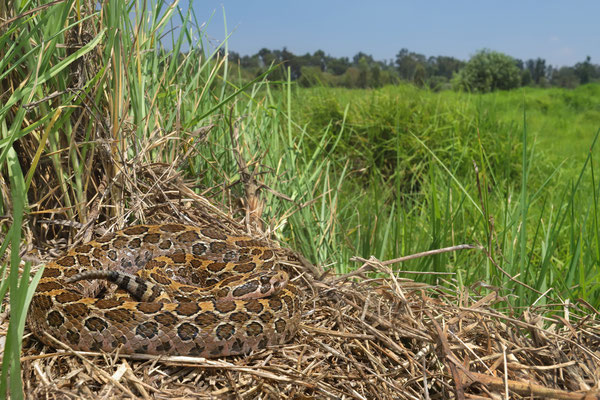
{"x":183,"y":290}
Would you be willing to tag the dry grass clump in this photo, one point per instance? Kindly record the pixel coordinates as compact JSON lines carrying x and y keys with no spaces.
{"x":366,"y":335}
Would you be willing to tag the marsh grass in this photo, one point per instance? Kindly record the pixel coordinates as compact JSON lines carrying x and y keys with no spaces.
{"x":425,"y":170}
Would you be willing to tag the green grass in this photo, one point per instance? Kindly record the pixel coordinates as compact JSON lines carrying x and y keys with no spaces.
{"x":30,"y":64}
{"x":385,"y":172}
{"x":562,"y":121}
{"x":410,"y":184}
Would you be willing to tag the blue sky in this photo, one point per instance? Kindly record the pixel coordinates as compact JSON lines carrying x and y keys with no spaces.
{"x":562,"y":32}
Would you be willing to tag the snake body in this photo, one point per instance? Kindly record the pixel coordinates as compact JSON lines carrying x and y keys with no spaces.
{"x":166,"y":289}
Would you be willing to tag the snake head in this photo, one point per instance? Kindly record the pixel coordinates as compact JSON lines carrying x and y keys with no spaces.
{"x":259,"y":285}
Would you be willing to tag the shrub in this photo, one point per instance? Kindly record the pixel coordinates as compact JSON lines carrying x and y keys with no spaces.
{"x":487,"y":71}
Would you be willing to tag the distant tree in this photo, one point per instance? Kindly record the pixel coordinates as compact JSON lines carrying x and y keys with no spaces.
{"x":375,"y":76}
{"x":420,"y":75}
{"x":584,"y":71}
{"x":540,"y":71}
{"x":537,"y":69}
{"x":338,"y":66}
{"x":545,"y":81}
{"x":565,"y":77}
{"x":292,"y":62}
{"x":485,"y":71}
{"x":363,"y":72}
{"x":250,"y":62}
{"x":407,"y":62}
{"x":444,"y":66}
{"x":351,"y":77}
{"x":306,"y":60}
{"x":266,"y":57}
{"x":526,"y":79}
{"x":488,"y":71}
{"x":319,"y":59}
{"x":519,"y":63}
{"x":389,"y":77}
{"x":234,"y":57}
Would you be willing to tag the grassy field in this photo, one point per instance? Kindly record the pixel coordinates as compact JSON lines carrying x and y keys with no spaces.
{"x":382,"y":173}
{"x":409,"y":182}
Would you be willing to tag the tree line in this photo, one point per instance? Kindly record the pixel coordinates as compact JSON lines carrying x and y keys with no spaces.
{"x":485,"y":71}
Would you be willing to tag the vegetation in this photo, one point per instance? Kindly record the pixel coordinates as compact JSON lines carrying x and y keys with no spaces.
{"x":91,"y":99}
{"x":408,"y":156}
{"x":488,"y":70}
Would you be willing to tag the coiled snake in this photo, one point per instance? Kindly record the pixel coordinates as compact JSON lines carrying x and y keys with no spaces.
{"x":182,"y":291}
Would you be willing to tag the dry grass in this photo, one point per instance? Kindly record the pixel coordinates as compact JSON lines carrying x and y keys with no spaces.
{"x":367,"y":335}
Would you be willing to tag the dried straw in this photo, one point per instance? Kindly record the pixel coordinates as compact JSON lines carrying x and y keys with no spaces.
{"x":366,"y":335}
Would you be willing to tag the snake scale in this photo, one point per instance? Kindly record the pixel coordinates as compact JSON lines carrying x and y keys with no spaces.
{"x":166,"y":289}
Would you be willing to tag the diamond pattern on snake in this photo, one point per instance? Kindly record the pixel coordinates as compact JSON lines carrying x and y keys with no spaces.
{"x":167,"y":290}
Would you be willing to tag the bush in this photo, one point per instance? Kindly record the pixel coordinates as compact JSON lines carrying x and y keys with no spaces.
{"x":487,"y":71}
